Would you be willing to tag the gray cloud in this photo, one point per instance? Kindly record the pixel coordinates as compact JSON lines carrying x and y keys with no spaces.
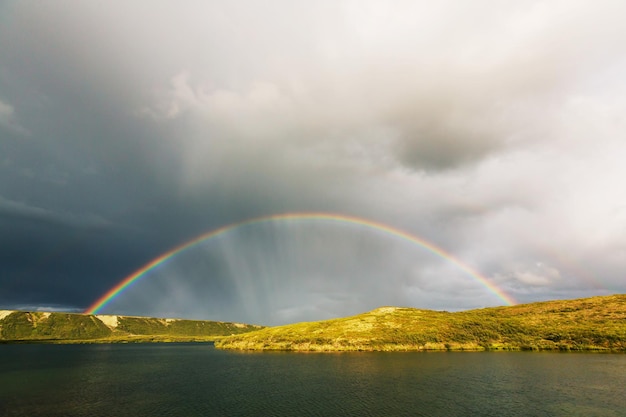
{"x":24,"y":212}
{"x":8,"y":119}
{"x":492,"y":130}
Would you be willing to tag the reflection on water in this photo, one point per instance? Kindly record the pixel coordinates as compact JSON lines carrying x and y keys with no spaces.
{"x":198,"y":380}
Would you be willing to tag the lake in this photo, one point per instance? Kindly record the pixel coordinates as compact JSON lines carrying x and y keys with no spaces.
{"x":182,"y":379}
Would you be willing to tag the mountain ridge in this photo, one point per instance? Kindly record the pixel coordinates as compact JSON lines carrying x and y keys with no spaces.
{"x":54,"y":327}
{"x":594,"y":323}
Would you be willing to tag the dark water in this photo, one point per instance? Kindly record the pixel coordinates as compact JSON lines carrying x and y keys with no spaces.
{"x":198,"y":380}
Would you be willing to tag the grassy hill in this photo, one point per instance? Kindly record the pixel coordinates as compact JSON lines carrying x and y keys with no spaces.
{"x":597,"y":323}
{"x":22,"y":326}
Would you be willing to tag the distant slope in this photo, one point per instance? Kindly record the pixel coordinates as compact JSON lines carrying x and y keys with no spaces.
{"x":22,"y":326}
{"x":597,"y":323}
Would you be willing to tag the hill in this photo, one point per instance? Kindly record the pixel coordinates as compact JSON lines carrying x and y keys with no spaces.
{"x":22,"y":326}
{"x":597,"y":323}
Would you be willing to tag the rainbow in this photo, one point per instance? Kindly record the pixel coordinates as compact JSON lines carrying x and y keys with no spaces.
{"x":114,"y":292}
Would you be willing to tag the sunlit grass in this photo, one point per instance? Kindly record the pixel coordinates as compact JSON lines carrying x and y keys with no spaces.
{"x":597,"y":323}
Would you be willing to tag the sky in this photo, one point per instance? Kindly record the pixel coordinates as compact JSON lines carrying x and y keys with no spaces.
{"x":493,"y":130}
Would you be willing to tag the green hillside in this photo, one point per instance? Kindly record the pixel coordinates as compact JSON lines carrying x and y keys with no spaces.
{"x":597,"y":323}
{"x":22,"y":326}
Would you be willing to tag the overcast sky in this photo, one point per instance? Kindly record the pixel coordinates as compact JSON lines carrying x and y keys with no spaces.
{"x":495,"y":130}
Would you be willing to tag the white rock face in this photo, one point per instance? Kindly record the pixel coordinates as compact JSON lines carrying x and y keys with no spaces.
{"x":110,"y":321}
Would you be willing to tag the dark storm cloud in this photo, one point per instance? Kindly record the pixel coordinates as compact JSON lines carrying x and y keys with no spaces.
{"x":489,"y":129}
{"x":22,"y":212}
